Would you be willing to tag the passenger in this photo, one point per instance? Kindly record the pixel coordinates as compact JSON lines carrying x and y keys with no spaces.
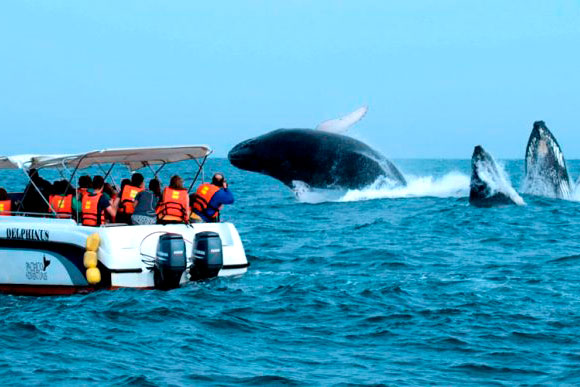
{"x":61,"y":200}
{"x":129,"y":192}
{"x":145,"y":204}
{"x":155,"y":187}
{"x":209,"y":199}
{"x":174,"y":206}
{"x":5,"y":203}
{"x":34,"y":201}
{"x":85,"y":185}
{"x":95,"y":205}
{"x":124,"y":182}
{"x":110,"y":193}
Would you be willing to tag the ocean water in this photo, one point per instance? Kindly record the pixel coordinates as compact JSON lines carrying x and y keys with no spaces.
{"x":374,"y":287}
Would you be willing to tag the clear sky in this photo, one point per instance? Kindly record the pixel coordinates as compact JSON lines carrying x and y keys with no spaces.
{"x":438,"y":76}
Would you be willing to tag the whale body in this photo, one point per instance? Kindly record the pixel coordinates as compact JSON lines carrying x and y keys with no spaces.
{"x":321,"y":159}
{"x":489,"y":186}
{"x":546,"y":173}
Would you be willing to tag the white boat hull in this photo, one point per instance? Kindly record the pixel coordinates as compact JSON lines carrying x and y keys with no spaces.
{"x":45,"y":256}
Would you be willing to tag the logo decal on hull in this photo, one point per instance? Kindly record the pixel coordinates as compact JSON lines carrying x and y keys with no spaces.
{"x":45,"y":262}
{"x":36,"y":271}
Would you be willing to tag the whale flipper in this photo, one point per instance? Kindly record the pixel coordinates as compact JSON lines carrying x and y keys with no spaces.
{"x":341,"y":125}
{"x":489,"y":186}
{"x":546,"y":173}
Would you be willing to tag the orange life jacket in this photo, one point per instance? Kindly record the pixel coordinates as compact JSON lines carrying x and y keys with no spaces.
{"x":5,"y":207}
{"x":127,"y":204}
{"x":90,"y":208}
{"x":173,"y":206}
{"x":82,"y":191}
{"x":202,"y":197}
{"x":61,"y":204}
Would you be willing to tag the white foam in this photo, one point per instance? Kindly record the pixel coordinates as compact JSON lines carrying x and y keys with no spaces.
{"x":575,"y":195}
{"x":453,"y":184}
{"x":498,"y":180}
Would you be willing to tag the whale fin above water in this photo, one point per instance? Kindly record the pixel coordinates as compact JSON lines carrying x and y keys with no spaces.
{"x":341,"y":125}
{"x":489,"y":185}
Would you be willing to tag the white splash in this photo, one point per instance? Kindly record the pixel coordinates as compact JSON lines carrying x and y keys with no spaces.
{"x":453,"y":184}
{"x":494,"y":175}
{"x":575,"y":196}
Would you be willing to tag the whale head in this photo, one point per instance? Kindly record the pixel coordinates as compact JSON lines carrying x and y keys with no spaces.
{"x":246,"y":155}
{"x":546,"y":172}
{"x":284,"y":154}
{"x":483,"y":168}
{"x":543,"y":147}
{"x":489,"y":185}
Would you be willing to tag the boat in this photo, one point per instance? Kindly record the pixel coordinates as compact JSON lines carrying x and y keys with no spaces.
{"x":41,"y":254}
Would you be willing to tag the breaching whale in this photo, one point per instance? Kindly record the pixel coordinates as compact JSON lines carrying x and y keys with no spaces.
{"x":546,"y":173}
{"x":489,"y":185}
{"x":321,"y":158}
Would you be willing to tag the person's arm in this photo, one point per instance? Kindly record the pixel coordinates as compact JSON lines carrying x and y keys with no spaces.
{"x":109,"y":208}
{"x":115,"y":203}
{"x":223,"y":196}
{"x":112,"y":211}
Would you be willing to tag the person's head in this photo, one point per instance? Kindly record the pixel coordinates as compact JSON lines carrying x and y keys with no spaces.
{"x":98,"y":182}
{"x":59,"y":187}
{"x":85,"y":182}
{"x":176,"y":182}
{"x":155,"y":187}
{"x":218,"y":179}
{"x":3,"y":194}
{"x":137,"y":180}
{"x":124,"y":182}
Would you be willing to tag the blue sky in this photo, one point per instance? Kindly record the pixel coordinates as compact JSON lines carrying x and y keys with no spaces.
{"x":438,"y":76}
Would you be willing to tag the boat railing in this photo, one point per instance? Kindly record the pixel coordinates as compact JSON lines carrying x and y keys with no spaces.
{"x":37,"y":215}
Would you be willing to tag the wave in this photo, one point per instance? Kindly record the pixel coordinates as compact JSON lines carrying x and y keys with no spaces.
{"x":452,"y":184}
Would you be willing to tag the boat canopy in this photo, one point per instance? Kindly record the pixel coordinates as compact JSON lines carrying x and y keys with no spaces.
{"x":22,"y":161}
{"x":133,"y":158}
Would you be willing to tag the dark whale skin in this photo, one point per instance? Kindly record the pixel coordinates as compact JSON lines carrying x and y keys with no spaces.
{"x":480,"y":194}
{"x":320,"y":159}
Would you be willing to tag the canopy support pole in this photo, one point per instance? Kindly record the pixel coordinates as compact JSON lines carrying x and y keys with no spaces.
{"x":155,"y":172}
{"x":77,"y":167}
{"x":197,"y":174}
{"x":109,"y":172}
{"x":71,"y":178}
{"x":159,"y":169}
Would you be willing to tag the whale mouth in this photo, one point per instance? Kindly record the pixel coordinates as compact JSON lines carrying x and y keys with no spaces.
{"x":243,"y":156}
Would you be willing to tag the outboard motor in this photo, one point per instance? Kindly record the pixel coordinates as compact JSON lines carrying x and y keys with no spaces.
{"x":170,"y":262}
{"x":207,"y":256}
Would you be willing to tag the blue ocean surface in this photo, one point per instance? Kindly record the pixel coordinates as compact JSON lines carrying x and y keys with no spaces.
{"x":409,"y":286}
